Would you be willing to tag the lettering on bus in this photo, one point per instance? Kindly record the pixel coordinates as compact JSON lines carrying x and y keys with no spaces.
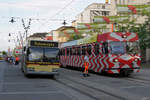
{"x":44,"y":44}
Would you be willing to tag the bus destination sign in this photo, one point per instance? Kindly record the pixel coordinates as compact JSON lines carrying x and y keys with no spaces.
{"x":44,"y":44}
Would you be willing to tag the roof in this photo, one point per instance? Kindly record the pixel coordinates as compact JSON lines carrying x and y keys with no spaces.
{"x":39,"y":34}
{"x":64,"y":27}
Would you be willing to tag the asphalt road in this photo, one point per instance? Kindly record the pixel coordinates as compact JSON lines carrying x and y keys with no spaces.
{"x":71,"y":85}
{"x":14,"y":86}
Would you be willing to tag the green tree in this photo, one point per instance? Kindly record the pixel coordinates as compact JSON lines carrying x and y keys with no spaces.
{"x":4,"y":53}
{"x":143,"y":31}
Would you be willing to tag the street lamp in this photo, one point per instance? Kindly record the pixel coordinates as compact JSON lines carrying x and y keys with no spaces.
{"x":12,"y":20}
{"x":64,"y":23}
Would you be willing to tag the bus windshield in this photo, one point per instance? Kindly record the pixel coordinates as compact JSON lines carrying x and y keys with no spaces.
{"x":124,"y":47}
{"x":51,"y":55}
{"x":37,"y":54}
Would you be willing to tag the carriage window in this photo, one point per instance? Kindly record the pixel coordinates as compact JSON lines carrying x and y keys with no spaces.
{"x":89,"y":49}
{"x":96,"y":48}
{"x":67,"y":51}
{"x":62,"y":51}
{"x":70,"y":51}
{"x":84,"y":50}
{"x":78,"y":51}
{"x":105,"y":48}
{"x":118,"y":47}
{"x":74,"y":51}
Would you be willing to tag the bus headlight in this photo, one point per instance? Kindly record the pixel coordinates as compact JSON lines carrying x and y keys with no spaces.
{"x":31,"y":69}
{"x":55,"y":69}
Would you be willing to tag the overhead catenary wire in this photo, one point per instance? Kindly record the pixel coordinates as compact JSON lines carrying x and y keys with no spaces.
{"x":57,"y":13}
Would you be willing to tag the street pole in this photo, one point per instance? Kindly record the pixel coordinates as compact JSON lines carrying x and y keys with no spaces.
{"x":26,"y":28}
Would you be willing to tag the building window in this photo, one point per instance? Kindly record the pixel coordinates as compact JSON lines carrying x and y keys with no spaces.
{"x":103,"y":7}
{"x":105,"y":13}
{"x":120,"y":2}
{"x":115,"y":1}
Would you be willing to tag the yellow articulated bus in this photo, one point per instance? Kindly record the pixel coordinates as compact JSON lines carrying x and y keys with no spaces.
{"x":40,"y":57}
{"x":1,"y":56}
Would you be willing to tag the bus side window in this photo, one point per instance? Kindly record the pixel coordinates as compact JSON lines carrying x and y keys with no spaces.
{"x":96,"y":48}
{"x":84,"y":50}
{"x":105,"y":48}
{"x":89,"y":49}
{"x":28,"y":52}
{"x":24,"y":48}
{"x":78,"y":51}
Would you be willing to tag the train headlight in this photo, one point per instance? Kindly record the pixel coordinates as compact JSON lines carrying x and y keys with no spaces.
{"x":124,"y":36}
{"x":115,"y":60}
{"x":136,"y":60}
{"x":31,"y":69}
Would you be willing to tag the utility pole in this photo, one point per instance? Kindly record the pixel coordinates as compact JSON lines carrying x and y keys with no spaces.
{"x":26,"y":28}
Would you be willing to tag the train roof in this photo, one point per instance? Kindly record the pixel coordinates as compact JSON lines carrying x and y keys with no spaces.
{"x":117,"y":36}
{"x":85,"y":40}
{"x":105,"y":37}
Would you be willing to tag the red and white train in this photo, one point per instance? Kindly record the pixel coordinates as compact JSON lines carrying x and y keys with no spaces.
{"x":112,"y":52}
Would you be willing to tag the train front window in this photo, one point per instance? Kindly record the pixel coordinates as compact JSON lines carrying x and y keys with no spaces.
{"x":118,"y":47}
{"x":132,"y":47}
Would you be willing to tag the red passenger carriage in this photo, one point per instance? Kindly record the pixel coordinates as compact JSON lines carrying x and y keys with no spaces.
{"x":113,"y":52}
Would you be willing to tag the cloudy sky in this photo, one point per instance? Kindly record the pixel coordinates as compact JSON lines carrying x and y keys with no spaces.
{"x":47,"y":15}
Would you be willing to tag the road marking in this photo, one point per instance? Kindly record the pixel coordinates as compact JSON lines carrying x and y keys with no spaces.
{"x":41,"y":92}
{"x":135,"y":86}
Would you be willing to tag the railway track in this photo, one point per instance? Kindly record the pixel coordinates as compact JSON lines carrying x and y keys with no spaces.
{"x":139,"y":79}
{"x":88,"y":90}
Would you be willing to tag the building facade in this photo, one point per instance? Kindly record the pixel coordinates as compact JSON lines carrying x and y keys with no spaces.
{"x":131,"y":2}
{"x":95,"y":9}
